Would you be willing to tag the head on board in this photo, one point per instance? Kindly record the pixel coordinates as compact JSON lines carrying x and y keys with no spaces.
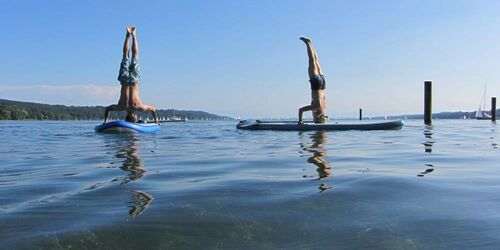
{"x":131,"y":117}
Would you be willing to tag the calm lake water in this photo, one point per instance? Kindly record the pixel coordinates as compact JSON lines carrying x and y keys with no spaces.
{"x":208,"y":185}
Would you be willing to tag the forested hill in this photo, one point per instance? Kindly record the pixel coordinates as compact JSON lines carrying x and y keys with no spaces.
{"x":15,"y":110}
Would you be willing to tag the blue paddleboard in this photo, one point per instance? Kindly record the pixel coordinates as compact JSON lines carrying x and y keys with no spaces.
{"x":293,"y":126}
{"x":127,"y":127}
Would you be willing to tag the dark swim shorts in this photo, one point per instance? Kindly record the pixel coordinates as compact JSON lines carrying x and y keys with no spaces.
{"x":318,"y":82}
{"x":130,"y":71}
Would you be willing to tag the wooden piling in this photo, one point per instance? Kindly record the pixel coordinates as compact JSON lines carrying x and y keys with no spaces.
{"x":493,"y":108}
{"x":428,"y":102}
{"x":360,"y":114}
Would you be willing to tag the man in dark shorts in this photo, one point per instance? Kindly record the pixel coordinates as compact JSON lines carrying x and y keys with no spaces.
{"x":129,"y":77}
{"x":318,"y":85}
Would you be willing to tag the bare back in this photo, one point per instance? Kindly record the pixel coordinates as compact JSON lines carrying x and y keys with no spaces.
{"x":318,"y":99}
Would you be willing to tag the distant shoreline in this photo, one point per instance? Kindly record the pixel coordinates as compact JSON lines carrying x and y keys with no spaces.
{"x":17,"y":110}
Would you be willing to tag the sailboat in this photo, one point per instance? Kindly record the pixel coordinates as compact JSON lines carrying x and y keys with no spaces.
{"x":480,"y":114}
{"x":174,"y":118}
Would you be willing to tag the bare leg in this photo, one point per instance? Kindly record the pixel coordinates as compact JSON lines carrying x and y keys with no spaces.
{"x":316,"y":59}
{"x":135,"y":46}
{"x":126,"y":44}
{"x":135,"y":99}
{"x":314,"y":67}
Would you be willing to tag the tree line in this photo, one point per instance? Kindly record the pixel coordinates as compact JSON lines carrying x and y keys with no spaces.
{"x":16,"y":110}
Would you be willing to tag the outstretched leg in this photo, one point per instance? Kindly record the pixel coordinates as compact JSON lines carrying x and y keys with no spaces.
{"x":314,"y":67}
{"x":124,"y":72}
{"x":135,"y":46}
{"x":126,"y":44}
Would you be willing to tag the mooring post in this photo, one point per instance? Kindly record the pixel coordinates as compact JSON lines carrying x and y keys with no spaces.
{"x":428,"y":102}
{"x":360,"y":114}
{"x":493,"y":108}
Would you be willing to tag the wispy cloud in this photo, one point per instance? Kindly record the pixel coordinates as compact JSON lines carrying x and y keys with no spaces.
{"x":73,"y":94}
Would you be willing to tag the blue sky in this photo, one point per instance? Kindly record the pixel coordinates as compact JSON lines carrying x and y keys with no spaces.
{"x":243,"y":58}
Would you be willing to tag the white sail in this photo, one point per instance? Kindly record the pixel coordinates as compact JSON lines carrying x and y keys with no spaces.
{"x":480,"y":114}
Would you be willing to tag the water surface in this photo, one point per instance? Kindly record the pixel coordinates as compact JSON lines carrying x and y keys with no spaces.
{"x":208,"y":185}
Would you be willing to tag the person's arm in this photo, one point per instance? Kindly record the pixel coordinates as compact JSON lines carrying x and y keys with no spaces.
{"x":152,"y":109}
{"x":155,"y":116}
{"x":107,"y":112}
{"x":110,"y":108}
{"x":301,"y":111}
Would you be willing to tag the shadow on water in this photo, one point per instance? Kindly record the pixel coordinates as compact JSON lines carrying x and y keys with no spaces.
{"x":127,"y":150}
{"x":317,"y":147}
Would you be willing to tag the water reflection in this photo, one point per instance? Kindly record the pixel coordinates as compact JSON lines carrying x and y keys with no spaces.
{"x":316,"y":147}
{"x":140,"y":203}
{"x":494,"y":144}
{"x":128,"y":152}
{"x":429,"y":169}
{"x":429,"y":141}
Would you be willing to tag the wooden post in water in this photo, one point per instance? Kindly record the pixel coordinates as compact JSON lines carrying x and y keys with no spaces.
{"x":360,"y":114}
{"x":493,"y":108}
{"x":428,"y":102}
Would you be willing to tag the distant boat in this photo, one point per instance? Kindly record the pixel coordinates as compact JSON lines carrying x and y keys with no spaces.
{"x":174,"y":118}
{"x":480,"y":114}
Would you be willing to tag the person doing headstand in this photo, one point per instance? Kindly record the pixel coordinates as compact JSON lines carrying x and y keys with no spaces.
{"x":318,"y":85}
{"x":129,"y":77}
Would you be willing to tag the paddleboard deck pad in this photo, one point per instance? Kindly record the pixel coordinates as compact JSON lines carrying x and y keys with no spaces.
{"x":293,"y":126}
{"x":127,"y":127}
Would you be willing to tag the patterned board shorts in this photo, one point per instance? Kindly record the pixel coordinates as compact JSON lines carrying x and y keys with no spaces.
{"x":130,"y":71}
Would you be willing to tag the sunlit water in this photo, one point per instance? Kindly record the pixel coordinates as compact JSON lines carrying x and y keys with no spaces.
{"x":208,"y":185}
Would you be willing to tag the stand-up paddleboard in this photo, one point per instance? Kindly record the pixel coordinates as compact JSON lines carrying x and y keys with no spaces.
{"x":293,"y":126}
{"x":127,"y":127}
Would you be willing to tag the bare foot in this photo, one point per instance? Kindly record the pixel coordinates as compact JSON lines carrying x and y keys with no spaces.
{"x":305,"y":39}
{"x":300,"y":123}
{"x":133,"y":30}
{"x":129,"y":30}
